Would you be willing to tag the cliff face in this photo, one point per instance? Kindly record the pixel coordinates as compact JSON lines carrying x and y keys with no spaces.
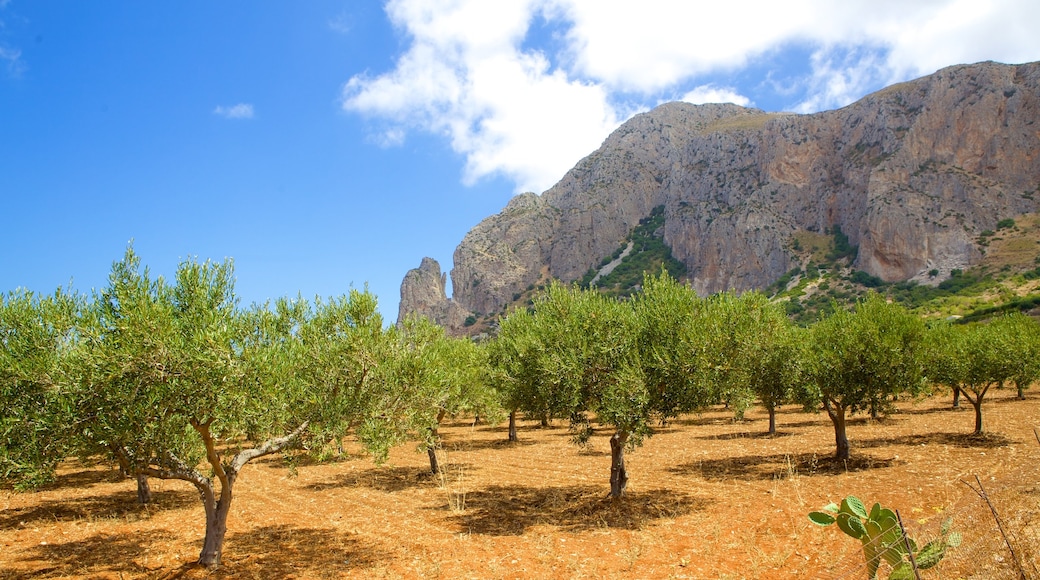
{"x":911,"y":174}
{"x":422,"y":293}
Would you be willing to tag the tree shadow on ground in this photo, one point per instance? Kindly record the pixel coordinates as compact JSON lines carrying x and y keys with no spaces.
{"x":117,"y":505}
{"x":508,"y":510}
{"x":103,"y":555}
{"x":389,"y":479}
{"x":484,"y":444}
{"x":780,"y":466}
{"x":87,"y":476}
{"x":284,"y":551}
{"x":745,"y":435}
{"x":933,"y":410}
{"x":966,"y":440}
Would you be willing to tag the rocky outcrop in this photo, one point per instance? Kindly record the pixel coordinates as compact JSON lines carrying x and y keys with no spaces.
{"x":911,"y":174}
{"x":422,"y":293}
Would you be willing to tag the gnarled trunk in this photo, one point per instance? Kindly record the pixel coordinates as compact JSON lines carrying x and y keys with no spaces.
{"x":956,"y":398}
{"x":512,"y":426}
{"x":978,"y":416}
{"x":976,"y":403}
{"x":216,"y":524}
{"x":841,"y":440}
{"x":618,"y":473}
{"x":434,"y":466}
{"x":144,"y":491}
{"x":772,"y":420}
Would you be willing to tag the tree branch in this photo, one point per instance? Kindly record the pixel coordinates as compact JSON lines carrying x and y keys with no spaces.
{"x":179,"y":470}
{"x":211,"y":451}
{"x":270,"y":446}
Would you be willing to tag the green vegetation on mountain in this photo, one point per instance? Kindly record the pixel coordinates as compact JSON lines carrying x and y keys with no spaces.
{"x":1005,"y":281}
{"x":649,"y":254}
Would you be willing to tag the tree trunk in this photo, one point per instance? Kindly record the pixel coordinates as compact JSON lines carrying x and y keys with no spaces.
{"x":841,"y":440}
{"x":956,"y":398}
{"x":216,"y":526}
{"x":618,"y":474}
{"x":144,"y":492}
{"x":1021,"y":392}
{"x":512,"y":426}
{"x":545,"y":420}
{"x":432,"y":450}
{"x":772,"y":420}
{"x":434,"y":467}
{"x":976,"y":403}
{"x":978,"y":416}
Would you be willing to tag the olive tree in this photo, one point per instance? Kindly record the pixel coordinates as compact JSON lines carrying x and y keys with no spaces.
{"x":177,"y":383}
{"x":448,"y":377}
{"x":860,"y":359}
{"x":36,"y":335}
{"x":972,"y":359}
{"x":678,"y":345}
{"x":1023,"y":333}
{"x":514,"y":370}
{"x":773,"y":358}
{"x":577,"y":356}
{"x":697,"y":351}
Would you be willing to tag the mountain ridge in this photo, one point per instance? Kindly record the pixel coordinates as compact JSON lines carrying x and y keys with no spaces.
{"x":911,"y":173}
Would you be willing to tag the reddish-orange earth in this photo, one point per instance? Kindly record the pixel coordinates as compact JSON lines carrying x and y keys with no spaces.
{"x":709,"y":497}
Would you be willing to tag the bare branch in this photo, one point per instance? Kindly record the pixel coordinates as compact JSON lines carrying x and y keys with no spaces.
{"x":270,"y":446}
{"x":177,"y":470}
{"x":211,"y":450}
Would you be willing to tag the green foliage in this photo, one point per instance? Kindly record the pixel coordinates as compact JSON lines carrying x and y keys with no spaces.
{"x":575,"y":354}
{"x":674,"y":337}
{"x":842,"y":248}
{"x":774,"y":358}
{"x":861,"y":359}
{"x":36,"y":335}
{"x":445,"y":376}
{"x":974,"y":358}
{"x":1006,"y":223}
{"x":862,"y":278}
{"x":781,"y":283}
{"x":882,"y":537}
{"x":649,"y":255}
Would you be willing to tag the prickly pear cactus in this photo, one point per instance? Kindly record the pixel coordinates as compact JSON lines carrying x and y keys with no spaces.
{"x":883,"y":539}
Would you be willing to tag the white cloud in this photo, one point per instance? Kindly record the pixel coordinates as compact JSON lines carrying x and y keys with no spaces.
{"x":13,"y":57}
{"x":466,"y":77}
{"x":714,"y":94}
{"x":239,"y":111}
{"x":513,"y":107}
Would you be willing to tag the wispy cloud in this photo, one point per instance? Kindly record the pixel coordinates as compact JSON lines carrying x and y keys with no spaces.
{"x":12,"y":57}
{"x":239,"y":111}
{"x":473,"y":73}
{"x":341,"y":23}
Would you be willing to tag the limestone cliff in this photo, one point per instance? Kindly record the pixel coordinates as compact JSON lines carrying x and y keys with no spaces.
{"x":911,"y":174}
{"x":422,"y":293}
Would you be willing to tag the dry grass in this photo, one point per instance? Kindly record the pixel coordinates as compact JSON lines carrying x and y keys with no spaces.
{"x":1018,"y":247}
{"x":708,"y":498}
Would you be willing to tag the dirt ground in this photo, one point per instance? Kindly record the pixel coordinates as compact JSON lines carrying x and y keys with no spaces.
{"x":709,"y":497}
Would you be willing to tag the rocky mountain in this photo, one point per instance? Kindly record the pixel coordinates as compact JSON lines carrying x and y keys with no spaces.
{"x":911,"y":174}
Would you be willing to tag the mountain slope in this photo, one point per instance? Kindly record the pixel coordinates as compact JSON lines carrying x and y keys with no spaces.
{"x":911,"y":174}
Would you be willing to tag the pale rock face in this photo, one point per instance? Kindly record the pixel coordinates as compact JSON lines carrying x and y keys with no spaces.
{"x":422,"y":293}
{"x":911,"y":174}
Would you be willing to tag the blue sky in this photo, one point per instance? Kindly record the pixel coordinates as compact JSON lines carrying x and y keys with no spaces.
{"x":325,"y":145}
